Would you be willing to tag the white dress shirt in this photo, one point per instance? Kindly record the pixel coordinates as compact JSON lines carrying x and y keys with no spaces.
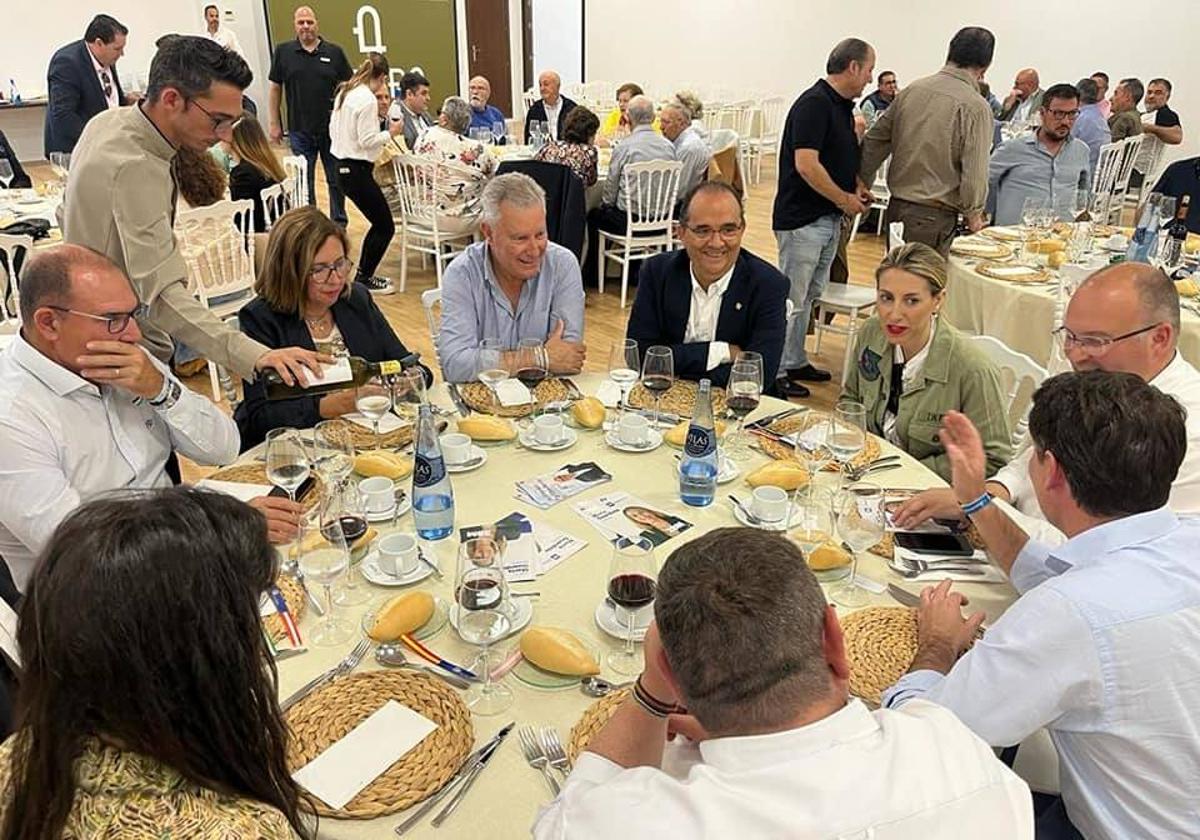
{"x":855,"y":774}
{"x":65,"y":440}
{"x":102,"y":72}
{"x":552,"y":116}
{"x":226,"y":38}
{"x":354,"y":131}
{"x":703,"y":315}
{"x":912,"y":369}
{"x":1103,"y":650}
{"x":1178,"y":379}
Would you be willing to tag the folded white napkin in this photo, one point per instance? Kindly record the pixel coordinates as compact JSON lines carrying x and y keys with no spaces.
{"x":237,"y":489}
{"x":512,"y":392}
{"x":387,"y":423}
{"x":609,"y":394}
{"x":991,"y":573}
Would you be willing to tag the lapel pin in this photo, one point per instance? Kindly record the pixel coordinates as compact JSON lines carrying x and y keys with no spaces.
{"x":737,"y":305}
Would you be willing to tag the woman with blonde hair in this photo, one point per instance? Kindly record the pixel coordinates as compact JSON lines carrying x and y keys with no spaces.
{"x":257,"y":167}
{"x":306,"y":299}
{"x":911,"y":367}
{"x":356,"y":141}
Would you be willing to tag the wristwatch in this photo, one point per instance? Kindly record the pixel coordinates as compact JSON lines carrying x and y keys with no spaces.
{"x":168,"y":396}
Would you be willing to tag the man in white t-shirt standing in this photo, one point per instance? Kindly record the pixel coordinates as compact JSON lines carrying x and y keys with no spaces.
{"x":777,"y":748}
{"x":224,"y":36}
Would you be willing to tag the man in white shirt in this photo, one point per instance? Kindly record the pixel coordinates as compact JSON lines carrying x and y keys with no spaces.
{"x":1102,"y":649}
{"x":227,"y":38}
{"x":690,"y":148}
{"x":1122,"y":318}
{"x":87,"y":410}
{"x":750,"y":647}
{"x":552,"y":108}
{"x":713,"y":299}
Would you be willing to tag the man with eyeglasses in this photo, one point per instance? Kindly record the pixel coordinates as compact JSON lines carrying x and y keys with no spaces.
{"x":714,"y":299}
{"x":1121,"y":318}
{"x":121,"y":200}
{"x":1047,"y":163}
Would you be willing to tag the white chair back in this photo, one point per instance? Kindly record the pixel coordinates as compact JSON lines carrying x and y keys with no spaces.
{"x":431,"y":302}
{"x":772,"y":119}
{"x":416,"y":179}
{"x":1130,"y":147}
{"x":652,"y":188}
{"x":1105,"y":175}
{"x":217,"y":244}
{"x":296,"y":167}
{"x":16,"y":249}
{"x":529,"y":97}
{"x":274,"y":203}
{"x":895,"y":235}
{"x":1020,"y":376}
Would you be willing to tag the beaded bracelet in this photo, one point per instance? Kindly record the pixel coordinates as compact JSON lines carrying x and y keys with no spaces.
{"x":977,"y":505}
{"x":651,"y":704}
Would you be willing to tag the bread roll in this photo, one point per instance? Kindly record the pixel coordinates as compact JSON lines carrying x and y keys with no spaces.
{"x":588,"y":413}
{"x":677,"y":434}
{"x":1047,"y":246}
{"x":484,"y":427}
{"x":1187,"y":288}
{"x":557,"y":651}
{"x":827,"y":556}
{"x":401,"y":615}
{"x":391,"y":465}
{"x":787,"y":475}
{"x":1056,"y":259}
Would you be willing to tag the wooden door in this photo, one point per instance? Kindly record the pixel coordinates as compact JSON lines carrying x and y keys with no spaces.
{"x":488,"y":52}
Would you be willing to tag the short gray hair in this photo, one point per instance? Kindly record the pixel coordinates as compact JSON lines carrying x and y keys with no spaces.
{"x":458,"y":114}
{"x":515,"y":188}
{"x":692,"y":102}
{"x":681,"y":108}
{"x":640,"y":111}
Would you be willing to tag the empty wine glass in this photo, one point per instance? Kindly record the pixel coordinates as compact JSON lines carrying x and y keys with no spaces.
{"x":287,"y":460}
{"x":6,"y":173}
{"x":333,"y":451}
{"x":1031,"y":212}
{"x":484,"y":616}
{"x":849,"y":436}
{"x":498,"y":132}
{"x":861,"y":524}
{"x":623,"y":367}
{"x":632,"y":575}
{"x":742,"y":397}
{"x":815,"y":529}
{"x":812,"y":449}
{"x":658,"y":374}
{"x":324,"y":563}
{"x":492,"y":370}
{"x":373,"y":399}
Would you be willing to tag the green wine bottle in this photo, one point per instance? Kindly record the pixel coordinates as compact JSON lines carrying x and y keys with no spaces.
{"x":360,"y":369}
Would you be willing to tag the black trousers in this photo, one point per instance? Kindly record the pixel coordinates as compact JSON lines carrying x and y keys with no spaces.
{"x":358,"y":183}
{"x":606,"y":217}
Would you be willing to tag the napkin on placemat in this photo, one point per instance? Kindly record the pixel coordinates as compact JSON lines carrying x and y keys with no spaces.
{"x":512,"y":392}
{"x":238,"y":489}
{"x":609,"y":394}
{"x":387,"y":423}
{"x":347,"y":766}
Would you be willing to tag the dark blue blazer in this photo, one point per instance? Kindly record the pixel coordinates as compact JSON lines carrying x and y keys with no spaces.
{"x":753,"y":314}
{"x":365,"y":331}
{"x":75,"y":96}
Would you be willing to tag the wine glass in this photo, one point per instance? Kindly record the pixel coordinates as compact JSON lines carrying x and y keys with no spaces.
{"x":1031,"y":211}
{"x":815,"y":529}
{"x":658,"y":374}
{"x":6,"y":173}
{"x":287,"y":460}
{"x":344,"y":514}
{"x":333,"y":451}
{"x":532,"y":366}
{"x":861,"y":524}
{"x":812,"y":449}
{"x":848,"y":435}
{"x":742,"y":396}
{"x":373,"y":399}
{"x":623,"y":367}
{"x":498,"y":132}
{"x":324,"y":563}
{"x":492,"y":369}
{"x":631,"y":579}
{"x":484,"y":616}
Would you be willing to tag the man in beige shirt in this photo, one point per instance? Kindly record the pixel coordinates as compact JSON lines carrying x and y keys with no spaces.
{"x":938,"y":132}
{"x":121,"y":199}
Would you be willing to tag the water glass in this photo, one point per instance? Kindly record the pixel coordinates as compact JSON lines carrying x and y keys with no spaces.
{"x":287,"y":460}
{"x":849,"y":436}
{"x":324,"y":563}
{"x":333,"y":451}
{"x":492,"y":367}
{"x":861,"y":523}
{"x":624,"y":365}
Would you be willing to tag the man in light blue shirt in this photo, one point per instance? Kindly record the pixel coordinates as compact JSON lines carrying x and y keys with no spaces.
{"x":484,"y":115}
{"x":1047,"y":163}
{"x":690,"y":148}
{"x":514,"y":285}
{"x":1102,"y":649}
{"x":1091,"y":126}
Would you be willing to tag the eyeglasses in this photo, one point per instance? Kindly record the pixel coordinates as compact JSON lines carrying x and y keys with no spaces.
{"x":117,"y":321}
{"x":1062,"y":115}
{"x":341,"y":267}
{"x":1095,"y":345}
{"x":218,"y":123}
{"x":706,"y":232}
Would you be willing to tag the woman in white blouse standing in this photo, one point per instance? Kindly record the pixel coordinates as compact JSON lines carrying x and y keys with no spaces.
{"x":356,"y":141}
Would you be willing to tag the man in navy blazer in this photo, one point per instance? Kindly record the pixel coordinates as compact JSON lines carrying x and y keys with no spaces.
{"x":712,"y":300}
{"x":552,"y":108}
{"x":82,"y":81}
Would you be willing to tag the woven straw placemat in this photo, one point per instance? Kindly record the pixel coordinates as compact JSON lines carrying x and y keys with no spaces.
{"x":364,"y":439}
{"x":329,"y":713}
{"x":881,"y":643}
{"x":257,"y":474}
{"x":593,"y":720}
{"x":478,"y":397}
{"x":293,"y":596}
{"x":801,"y":422}
{"x":679,"y":399}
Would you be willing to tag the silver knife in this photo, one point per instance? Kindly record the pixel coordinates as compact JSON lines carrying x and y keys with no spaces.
{"x":437,"y":573}
{"x":763,"y":422}
{"x":456,"y":397}
{"x":467,"y":766}
{"x":904,"y":596}
{"x":573,"y":389}
{"x":472,"y":775}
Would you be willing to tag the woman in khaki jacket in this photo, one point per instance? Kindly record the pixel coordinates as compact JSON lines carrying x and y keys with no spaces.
{"x":910,"y":366}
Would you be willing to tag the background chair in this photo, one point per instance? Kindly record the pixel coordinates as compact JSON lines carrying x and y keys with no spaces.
{"x":855,"y":302}
{"x":649,"y":225}
{"x":895,"y":235}
{"x":274,"y":202}
{"x":566,"y":201}
{"x":14,"y":250}
{"x":882,"y":196}
{"x":296,"y":169}
{"x":1020,"y":376}
{"x":420,"y":231}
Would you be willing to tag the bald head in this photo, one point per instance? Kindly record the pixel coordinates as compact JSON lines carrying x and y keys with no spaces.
{"x":1027,"y":81}
{"x":548,"y":84}
{"x":305,"y":21}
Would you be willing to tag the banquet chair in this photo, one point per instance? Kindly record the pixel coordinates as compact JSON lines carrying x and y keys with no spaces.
{"x":431,"y":302}
{"x":853,"y":301}
{"x":274,"y":203}
{"x":895,"y":235}
{"x":418,"y":181}
{"x":1130,"y":147}
{"x":296,"y":169}
{"x":1020,"y":376}
{"x":217,"y":245}
{"x":1105,"y":177}
{"x":750,"y":144}
{"x":771,"y":121}
{"x":649,"y":228}
{"x":882,"y":196}
{"x":15,"y":250}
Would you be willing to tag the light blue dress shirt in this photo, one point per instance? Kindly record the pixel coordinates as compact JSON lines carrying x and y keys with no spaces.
{"x":474,"y":308}
{"x":1022,"y":168}
{"x":1103,"y":650}
{"x":642,"y":145}
{"x":1092,"y":129}
{"x":486,"y":118}
{"x":693,"y":152}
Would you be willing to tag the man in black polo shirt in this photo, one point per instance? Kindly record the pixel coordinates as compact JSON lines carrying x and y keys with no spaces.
{"x":309,"y":68}
{"x":818,"y":183}
{"x":1183,"y":178}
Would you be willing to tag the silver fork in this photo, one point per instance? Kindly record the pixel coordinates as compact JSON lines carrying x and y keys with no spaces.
{"x":536,"y":758}
{"x":916,"y":568}
{"x":555,"y":754}
{"x":344,"y":667}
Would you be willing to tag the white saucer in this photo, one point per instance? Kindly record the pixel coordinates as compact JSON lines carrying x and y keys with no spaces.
{"x":385,"y":515}
{"x":376,"y":575}
{"x":530,"y":442}
{"x":655,"y":441}
{"x":729,"y":470}
{"x":518,"y":619}
{"x":476,"y":452}
{"x":794,"y":518}
{"x":608,"y":621}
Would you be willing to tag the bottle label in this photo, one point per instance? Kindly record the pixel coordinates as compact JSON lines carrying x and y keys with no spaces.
{"x":428,"y":471}
{"x":389,"y":368}
{"x":700,"y":442}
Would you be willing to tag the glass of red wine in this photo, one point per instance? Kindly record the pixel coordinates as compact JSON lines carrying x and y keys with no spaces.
{"x":742,"y":396}
{"x":532,"y":366}
{"x":658,"y":374}
{"x":484,"y":615}
{"x":631,"y":580}
{"x":344,"y":516}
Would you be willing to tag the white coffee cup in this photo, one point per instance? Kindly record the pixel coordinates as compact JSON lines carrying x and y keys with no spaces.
{"x":1118,"y":240}
{"x":770,"y":504}
{"x":548,"y":429}
{"x":379,"y":494}
{"x":398,"y":554}
{"x":456,"y":448}
{"x":633,"y":430}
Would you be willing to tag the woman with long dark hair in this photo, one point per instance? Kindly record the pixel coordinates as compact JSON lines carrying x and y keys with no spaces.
{"x":148,"y":697}
{"x":257,"y":167}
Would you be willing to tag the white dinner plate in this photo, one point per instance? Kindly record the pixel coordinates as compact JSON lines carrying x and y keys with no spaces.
{"x":476,"y":452}
{"x":615,"y":626}
{"x":794,"y":518}
{"x":570,"y":436}
{"x":518,"y":618}
{"x":375,"y":574}
{"x":655,"y":440}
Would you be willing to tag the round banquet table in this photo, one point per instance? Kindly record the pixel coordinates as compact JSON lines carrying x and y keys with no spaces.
{"x":508,"y":793}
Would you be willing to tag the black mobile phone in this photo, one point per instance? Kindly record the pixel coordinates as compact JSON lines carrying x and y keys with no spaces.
{"x":300,"y":491}
{"x":946,"y":545}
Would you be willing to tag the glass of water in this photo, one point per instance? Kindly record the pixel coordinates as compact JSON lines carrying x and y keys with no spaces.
{"x":492,"y":370}
{"x":287,"y":460}
{"x":848,"y":435}
{"x":373,"y":400}
{"x":861,"y":523}
{"x":325,"y":563}
{"x":333,"y":451}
